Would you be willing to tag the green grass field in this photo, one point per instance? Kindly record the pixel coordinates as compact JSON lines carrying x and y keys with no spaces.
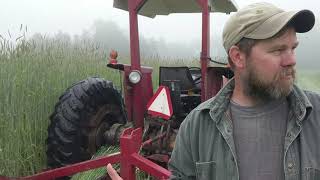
{"x":32,"y":77}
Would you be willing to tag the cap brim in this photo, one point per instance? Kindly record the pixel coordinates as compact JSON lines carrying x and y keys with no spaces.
{"x":302,"y":21}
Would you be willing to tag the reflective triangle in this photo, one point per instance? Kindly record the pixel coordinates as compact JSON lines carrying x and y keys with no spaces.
{"x":160,"y":104}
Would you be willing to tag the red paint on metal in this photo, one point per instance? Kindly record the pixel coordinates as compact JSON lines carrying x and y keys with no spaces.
{"x":75,"y":168}
{"x":139,"y":110}
{"x":214,"y":80}
{"x":130,"y":144}
{"x":205,"y":46}
{"x":133,"y":6}
{"x":149,"y":166}
{"x":134,"y":114}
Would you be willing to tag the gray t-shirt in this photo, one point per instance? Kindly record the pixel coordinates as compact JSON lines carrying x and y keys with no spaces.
{"x":259,"y":139}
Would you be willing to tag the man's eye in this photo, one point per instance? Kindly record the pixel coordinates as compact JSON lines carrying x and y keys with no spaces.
{"x":277,"y":51}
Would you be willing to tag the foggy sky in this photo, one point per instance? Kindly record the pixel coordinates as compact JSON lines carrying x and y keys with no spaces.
{"x":73,"y":16}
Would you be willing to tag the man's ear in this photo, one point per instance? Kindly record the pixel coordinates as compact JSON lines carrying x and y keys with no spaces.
{"x":237,"y":57}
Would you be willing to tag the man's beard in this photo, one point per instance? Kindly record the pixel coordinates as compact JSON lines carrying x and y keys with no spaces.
{"x":257,"y":87}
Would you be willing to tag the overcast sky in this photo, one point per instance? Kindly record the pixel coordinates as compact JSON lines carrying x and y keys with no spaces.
{"x":72,"y":16}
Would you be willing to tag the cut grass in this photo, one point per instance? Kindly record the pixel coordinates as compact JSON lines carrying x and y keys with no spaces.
{"x":99,"y":172}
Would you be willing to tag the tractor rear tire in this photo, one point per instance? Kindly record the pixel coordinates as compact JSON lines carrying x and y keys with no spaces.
{"x":80,"y":118}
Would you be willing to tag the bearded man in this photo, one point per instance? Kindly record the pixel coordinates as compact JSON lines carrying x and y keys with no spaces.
{"x":260,"y":126}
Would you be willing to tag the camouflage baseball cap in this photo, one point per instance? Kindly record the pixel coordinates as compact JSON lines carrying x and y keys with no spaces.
{"x":262,"y":21}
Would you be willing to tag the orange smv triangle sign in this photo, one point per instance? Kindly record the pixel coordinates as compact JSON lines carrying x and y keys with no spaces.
{"x":160,"y":104}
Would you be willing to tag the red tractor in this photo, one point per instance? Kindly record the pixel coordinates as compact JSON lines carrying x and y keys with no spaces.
{"x":93,"y":113}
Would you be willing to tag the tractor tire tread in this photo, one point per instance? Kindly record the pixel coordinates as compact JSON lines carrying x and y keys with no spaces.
{"x":68,"y":131}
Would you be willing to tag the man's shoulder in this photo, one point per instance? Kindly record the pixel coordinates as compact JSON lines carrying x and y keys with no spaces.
{"x":312,"y":94}
{"x":314,"y":102}
{"x":307,"y":98}
{"x":313,"y":97}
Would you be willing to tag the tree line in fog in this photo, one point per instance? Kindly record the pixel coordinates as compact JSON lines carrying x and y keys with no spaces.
{"x":108,"y":35}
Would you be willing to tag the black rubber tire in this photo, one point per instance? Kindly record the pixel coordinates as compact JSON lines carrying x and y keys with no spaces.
{"x":80,"y":117}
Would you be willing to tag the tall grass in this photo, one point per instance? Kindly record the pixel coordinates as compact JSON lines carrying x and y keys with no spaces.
{"x":31,"y":81}
{"x":32,"y":77}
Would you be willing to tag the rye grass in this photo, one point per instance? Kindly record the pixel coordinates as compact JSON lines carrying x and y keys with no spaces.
{"x":32,"y":77}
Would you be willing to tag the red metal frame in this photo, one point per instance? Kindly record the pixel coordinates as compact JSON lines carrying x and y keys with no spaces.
{"x":205,"y":47}
{"x":75,"y":168}
{"x":139,"y":97}
{"x":130,"y":145}
{"x":139,"y":110}
{"x":135,"y":104}
{"x":216,"y":82}
{"x":129,"y":158}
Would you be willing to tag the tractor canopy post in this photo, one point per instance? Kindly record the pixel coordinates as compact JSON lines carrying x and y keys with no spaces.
{"x":205,"y":46}
{"x":134,"y":6}
{"x":138,"y":113}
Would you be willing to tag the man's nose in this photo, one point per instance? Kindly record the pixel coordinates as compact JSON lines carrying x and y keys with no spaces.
{"x":289,"y":59}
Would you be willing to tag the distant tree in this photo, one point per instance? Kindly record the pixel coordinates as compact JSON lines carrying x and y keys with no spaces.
{"x":63,"y":37}
{"x":109,"y":36}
